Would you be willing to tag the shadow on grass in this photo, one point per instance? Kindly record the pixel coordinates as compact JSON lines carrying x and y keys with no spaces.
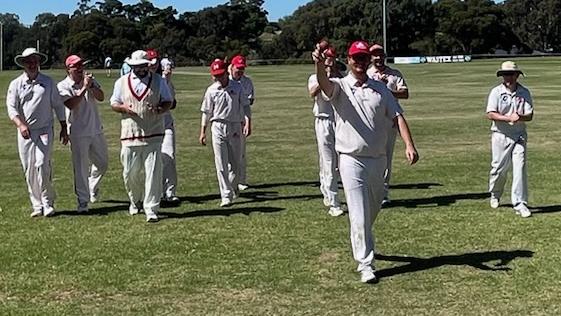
{"x":545,"y":209}
{"x":442,"y":200}
{"x":478,"y":260}
{"x":408,"y":186}
{"x":97,"y":211}
{"x":252,"y":196}
{"x":220,"y":212}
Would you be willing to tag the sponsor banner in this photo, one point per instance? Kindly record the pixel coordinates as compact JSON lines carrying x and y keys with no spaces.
{"x":448,"y":59}
{"x":407,"y":60}
{"x":432,"y":59}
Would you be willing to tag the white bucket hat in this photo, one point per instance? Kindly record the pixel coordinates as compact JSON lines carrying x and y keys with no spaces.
{"x":28,"y":52}
{"x":138,"y":57}
{"x":509,"y":66}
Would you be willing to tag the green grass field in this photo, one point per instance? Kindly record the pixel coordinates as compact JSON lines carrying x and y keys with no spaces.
{"x":442,"y":249}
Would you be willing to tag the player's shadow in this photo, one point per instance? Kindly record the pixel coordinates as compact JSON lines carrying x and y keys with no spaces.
{"x":250,"y":196}
{"x":219,"y":212}
{"x":96,"y":211}
{"x":488,"y":261}
{"x":410,"y":186}
{"x":545,"y":209}
{"x":314,"y":184}
{"x":442,"y":200}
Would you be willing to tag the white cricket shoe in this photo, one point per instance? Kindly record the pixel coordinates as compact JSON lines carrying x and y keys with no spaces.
{"x":48,"y":211}
{"x":494,"y":202}
{"x":522,"y":210}
{"x":326,"y":201}
{"x":36,"y":213}
{"x":133,"y":209}
{"x":225,"y":203}
{"x":367,"y":276}
{"x":151,"y":217}
{"x":335,"y":211}
{"x":243,"y":186}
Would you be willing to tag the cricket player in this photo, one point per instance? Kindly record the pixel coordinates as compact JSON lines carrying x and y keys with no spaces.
{"x":363,"y":108}
{"x":227,"y":110}
{"x":509,"y":106}
{"x":394,"y":81}
{"x":80,"y":93}
{"x":142,"y":98}
{"x":237,"y":73}
{"x":31,"y":99}
{"x":169,"y":176}
{"x":108,"y":63}
{"x":325,"y":136}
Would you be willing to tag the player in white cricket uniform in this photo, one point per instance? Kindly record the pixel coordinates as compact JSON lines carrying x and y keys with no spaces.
{"x":169,"y":173}
{"x":80,"y":93}
{"x":142,"y":98}
{"x":509,"y":106}
{"x":363,"y":107}
{"x":31,"y":99}
{"x":325,"y":136}
{"x":226,"y":108}
{"x":108,"y":63}
{"x":237,"y":73}
{"x":394,"y":81}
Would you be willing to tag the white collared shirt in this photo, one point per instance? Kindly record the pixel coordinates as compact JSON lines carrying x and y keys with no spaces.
{"x":84,"y":119}
{"x":139,"y":85}
{"x":34,"y":101}
{"x":505,"y":102}
{"x":395,"y":78}
{"x":322,"y":108}
{"x":247,"y":87}
{"x":363,"y":115}
{"x":225,"y":103}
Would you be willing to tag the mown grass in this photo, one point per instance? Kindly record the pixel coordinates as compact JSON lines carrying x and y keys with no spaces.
{"x":442,"y":250}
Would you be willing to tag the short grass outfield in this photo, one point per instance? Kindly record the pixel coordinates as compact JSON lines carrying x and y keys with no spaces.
{"x":440,"y":248}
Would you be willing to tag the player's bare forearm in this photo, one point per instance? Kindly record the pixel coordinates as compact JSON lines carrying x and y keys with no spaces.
{"x":202,"y":135}
{"x":526,"y":118}
{"x":410,"y":150}
{"x":98,"y":94}
{"x":323,"y":80}
{"x":122,"y":108}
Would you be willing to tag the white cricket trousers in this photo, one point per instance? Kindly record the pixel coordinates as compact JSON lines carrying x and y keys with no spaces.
{"x":88,"y":150}
{"x":325,"y":135}
{"x":506,"y":151}
{"x":35,"y":156}
{"x":226,"y":144}
{"x":142,"y":173}
{"x":390,"y":145}
{"x":242,"y":178}
{"x":168,"y":158}
{"x":363,"y":183}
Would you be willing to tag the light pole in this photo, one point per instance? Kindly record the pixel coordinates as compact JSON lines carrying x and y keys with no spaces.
{"x":1,"y":46}
{"x":384,"y":26}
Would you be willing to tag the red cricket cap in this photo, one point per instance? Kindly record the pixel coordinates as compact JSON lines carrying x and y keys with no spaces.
{"x":358,"y":47}
{"x":238,"y":61}
{"x":218,"y":67}
{"x":73,"y":60}
{"x":151,"y":54}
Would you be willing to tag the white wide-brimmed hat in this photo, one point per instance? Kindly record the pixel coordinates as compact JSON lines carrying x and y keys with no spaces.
{"x":28,"y":52}
{"x":138,"y":57}
{"x":509,"y":67}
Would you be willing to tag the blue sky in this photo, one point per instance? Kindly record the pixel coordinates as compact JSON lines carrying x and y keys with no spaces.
{"x":27,"y":10}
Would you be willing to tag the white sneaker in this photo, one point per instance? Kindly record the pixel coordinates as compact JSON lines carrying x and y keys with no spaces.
{"x":494,"y":202}
{"x":522,"y":210}
{"x":326,"y":201}
{"x":368,"y":276}
{"x":335,"y":211}
{"x":151,"y":217}
{"x":133,"y":209}
{"x":386,"y":202}
{"x":225,"y":203}
{"x":243,"y":186}
{"x":48,"y":211}
{"x":36,"y":213}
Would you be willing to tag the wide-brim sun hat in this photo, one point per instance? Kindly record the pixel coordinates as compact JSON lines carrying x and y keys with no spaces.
{"x":138,"y":57}
{"x":509,"y":67}
{"x":29,"y":52}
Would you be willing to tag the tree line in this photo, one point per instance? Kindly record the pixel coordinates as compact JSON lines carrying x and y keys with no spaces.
{"x":414,"y":27}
